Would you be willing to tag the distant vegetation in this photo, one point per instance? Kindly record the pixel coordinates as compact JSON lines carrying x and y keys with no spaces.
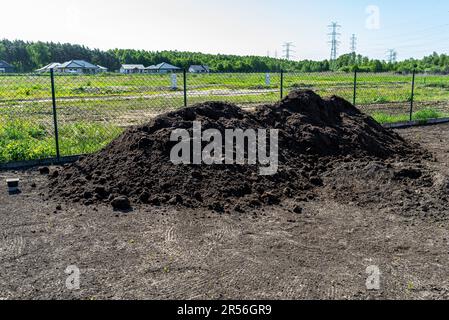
{"x":29,"y":56}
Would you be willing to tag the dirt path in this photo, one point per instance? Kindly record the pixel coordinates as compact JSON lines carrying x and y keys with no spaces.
{"x":156,"y":253}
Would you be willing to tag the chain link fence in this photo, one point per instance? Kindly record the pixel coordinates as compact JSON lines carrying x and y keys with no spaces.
{"x":92,"y":110}
{"x":89,"y":111}
{"x":26,"y":118}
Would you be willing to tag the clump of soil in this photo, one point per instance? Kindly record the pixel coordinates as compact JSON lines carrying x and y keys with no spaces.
{"x":315,"y":136}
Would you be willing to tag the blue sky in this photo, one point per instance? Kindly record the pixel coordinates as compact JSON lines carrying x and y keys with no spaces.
{"x":412,"y":28}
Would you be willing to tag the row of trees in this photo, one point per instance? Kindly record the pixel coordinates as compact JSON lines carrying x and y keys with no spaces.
{"x":29,"y":56}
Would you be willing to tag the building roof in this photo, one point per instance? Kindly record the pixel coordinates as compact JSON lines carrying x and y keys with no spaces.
{"x":4,"y":64}
{"x":133,"y":66}
{"x":52,"y":65}
{"x":199,"y":68}
{"x":163,"y":66}
{"x":102,"y":68}
{"x":77,"y":64}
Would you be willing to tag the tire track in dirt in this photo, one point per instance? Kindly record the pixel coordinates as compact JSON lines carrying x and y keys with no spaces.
{"x":12,"y":247}
{"x":196,"y":266}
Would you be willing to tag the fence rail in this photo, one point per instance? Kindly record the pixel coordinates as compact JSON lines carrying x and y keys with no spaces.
{"x":54,"y":115}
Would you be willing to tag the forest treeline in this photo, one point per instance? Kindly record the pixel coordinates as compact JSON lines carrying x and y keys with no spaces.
{"x":29,"y":56}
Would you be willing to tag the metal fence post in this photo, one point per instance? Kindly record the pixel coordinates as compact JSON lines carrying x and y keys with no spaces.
{"x":355,"y":86}
{"x":185,"y":87}
{"x":55,"y":118}
{"x":413,"y":94}
{"x":282,"y":84}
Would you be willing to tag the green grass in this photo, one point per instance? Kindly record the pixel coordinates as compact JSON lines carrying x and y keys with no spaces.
{"x":27,"y":140}
{"x":390,"y":118}
{"x":425,"y":114}
{"x":23,"y":140}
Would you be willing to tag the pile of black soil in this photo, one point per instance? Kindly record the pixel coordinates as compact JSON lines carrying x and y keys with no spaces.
{"x":315,"y":135}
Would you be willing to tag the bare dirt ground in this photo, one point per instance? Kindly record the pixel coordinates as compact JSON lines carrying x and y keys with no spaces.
{"x":269,"y":253}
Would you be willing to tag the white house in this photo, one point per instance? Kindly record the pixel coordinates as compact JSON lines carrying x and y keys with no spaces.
{"x":132,"y":68}
{"x":5,"y":67}
{"x":48,"y":67}
{"x":162,"y":68}
{"x":199,"y":69}
{"x":102,"y":69}
{"x":77,"y":67}
{"x":73,"y":67}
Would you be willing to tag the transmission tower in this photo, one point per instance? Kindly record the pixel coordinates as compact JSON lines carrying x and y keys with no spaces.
{"x":392,"y":56}
{"x":288,"y":50}
{"x":353,"y":43}
{"x":334,"y":27}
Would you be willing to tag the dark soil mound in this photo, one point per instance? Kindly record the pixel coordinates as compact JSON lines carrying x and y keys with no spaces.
{"x":314,"y":135}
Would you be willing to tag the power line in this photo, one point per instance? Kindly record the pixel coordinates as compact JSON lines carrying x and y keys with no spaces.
{"x":413,"y":34}
{"x":419,"y":38}
{"x":398,"y":23}
{"x":334,"y":26}
{"x":410,"y":38}
{"x":288,"y":50}
{"x":426,"y":52}
{"x":425,"y":42}
{"x":430,"y":39}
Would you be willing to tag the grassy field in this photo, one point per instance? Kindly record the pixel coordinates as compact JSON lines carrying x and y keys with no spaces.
{"x":94,"y":109}
{"x":22,"y":139}
{"x":424,"y":114}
